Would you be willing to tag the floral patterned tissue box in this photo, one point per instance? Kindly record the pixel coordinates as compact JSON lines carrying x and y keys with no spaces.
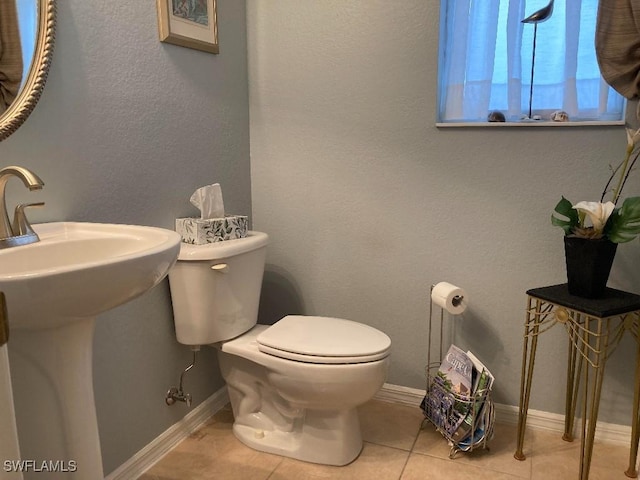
{"x":197,"y":231}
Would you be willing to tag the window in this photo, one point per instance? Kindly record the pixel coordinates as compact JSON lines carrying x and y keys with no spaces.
{"x":28,"y":17}
{"x":486,"y":62}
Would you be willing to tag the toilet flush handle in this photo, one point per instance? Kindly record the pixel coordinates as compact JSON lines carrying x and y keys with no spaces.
{"x":220,"y":268}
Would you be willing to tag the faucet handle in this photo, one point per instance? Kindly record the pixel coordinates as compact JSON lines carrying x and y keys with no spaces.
{"x":21,"y":225}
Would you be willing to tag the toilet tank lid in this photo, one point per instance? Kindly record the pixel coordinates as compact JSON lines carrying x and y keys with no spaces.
{"x":225,"y":249}
{"x":324,"y":336}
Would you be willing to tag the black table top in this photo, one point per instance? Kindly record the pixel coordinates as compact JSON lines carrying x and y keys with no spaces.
{"x":613,"y":302}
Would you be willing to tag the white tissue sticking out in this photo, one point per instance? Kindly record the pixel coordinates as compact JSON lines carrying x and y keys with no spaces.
{"x":208,"y":200}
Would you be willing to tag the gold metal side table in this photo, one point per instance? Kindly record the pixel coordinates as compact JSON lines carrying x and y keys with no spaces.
{"x":594,"y":328}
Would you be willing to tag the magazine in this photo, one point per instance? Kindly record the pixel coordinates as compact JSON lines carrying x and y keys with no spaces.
{"x":455,"y":376}
{"x":455,"y":399}
{"x":482,"y":384}
{"x":483,"y":431}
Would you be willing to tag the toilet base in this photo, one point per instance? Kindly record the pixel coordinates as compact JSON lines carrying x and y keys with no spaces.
{"x":296,"y":409}
{"x":323,"y":436}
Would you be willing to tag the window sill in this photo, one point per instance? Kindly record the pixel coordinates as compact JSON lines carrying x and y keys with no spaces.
{"x":534,"y":123}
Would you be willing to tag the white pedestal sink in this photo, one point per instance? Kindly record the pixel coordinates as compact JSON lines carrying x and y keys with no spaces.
{"x":8,"y":433}
{"x":55,"y":289}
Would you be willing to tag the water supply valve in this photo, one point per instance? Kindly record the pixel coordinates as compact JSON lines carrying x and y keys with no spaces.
{"x":176,"y":394}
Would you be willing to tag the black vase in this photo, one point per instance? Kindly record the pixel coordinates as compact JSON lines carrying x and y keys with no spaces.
{"x":588,"y":265}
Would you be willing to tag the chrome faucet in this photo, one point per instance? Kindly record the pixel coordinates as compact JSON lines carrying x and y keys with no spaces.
{"x":20,"y":232}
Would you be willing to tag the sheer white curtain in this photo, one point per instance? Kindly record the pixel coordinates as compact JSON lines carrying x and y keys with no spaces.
{"x":28,"y":18}
{"x":486,"y":54}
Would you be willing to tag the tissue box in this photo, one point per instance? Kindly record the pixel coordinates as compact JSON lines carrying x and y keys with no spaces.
{"x":197,"y":231}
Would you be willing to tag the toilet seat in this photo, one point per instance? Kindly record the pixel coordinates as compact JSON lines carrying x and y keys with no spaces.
{"x":323,"y":340}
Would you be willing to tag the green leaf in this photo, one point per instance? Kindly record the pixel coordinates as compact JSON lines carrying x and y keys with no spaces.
{"x":624,"y":222}
{"x":565,"y":216}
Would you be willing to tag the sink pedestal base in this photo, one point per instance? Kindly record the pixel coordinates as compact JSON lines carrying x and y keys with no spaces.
{"x":8,"y":432}
{"x":52,"y":376}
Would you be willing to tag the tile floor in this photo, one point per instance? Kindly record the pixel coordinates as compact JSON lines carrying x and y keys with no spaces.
{"x":396,"y":447}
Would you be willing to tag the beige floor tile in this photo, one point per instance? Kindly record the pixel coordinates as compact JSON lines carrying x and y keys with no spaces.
{"x":213,"y":452}
{"x":149,"y":476}
{"x":499,"y":456}
{"x":612,"y":457}
{"x":232,"y":464}
{"x":554,"y":459}
{"x":375,"y":462}
{"x":431,"y":442}
{"x":390,"y":431}
{"x":424,"y":467}
{"x":390,"y":424}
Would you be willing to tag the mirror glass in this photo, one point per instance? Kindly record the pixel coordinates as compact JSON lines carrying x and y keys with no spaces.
{"x":27,"y":29}
{"x":27,"y":17}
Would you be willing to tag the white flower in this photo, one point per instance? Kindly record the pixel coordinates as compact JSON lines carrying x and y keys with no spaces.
{"x":632,"y":137}
{"x":598,"y":213}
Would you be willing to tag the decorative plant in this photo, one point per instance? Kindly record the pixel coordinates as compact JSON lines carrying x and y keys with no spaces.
{"x":602,"y":219}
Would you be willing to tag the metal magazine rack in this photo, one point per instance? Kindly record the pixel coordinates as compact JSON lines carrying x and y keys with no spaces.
{"x":465,"y":419}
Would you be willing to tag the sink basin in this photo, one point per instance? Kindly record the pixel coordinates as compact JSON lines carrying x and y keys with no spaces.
{"x":54,"y":289}
{"x":82,"y":269}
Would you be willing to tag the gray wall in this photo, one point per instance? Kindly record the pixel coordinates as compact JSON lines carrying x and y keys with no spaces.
{"x":368,"y":203}
{"x":126,"y":130}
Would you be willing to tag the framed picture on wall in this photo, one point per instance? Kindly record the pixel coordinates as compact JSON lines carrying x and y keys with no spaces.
{"x":189,"y":23}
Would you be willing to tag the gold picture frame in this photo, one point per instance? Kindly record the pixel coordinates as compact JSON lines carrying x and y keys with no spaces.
{"x":189,"y":23}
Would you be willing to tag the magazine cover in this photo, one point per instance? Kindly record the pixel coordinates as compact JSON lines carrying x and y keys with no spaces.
{"x":456,"y":372}
{"x":455,"y":375}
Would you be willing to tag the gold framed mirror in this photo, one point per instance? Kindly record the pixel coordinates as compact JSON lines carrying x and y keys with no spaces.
{"x":33,"y":84}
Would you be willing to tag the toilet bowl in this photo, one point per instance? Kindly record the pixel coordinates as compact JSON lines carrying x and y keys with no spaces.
{"x":294,"y":386}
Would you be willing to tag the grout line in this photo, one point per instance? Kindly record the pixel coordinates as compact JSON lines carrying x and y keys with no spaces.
{"x":276,"y":467}
{"x":415,"y":440}
{"x":411,"y":452}
{"x":406,"y":462}
{"x":383,"y":446}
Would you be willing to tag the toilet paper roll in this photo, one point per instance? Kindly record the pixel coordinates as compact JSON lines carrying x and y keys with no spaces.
{"x":453,"y":299}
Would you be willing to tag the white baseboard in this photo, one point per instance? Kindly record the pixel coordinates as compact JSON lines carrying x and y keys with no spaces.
{"x":610,"y":433}
{"x":154,"y":451}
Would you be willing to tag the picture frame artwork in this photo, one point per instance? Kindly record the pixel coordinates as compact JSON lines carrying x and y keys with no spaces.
{"x":189,"y":23}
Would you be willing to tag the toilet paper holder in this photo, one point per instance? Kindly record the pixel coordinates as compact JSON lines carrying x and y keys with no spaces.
{"x":454,"y":300}
{"x":450,"y":298}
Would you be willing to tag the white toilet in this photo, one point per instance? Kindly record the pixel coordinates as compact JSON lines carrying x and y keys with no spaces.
{"x":295,"y":385}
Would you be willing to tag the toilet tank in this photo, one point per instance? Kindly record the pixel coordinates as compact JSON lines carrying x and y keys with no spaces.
{"x":215,"y":288}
